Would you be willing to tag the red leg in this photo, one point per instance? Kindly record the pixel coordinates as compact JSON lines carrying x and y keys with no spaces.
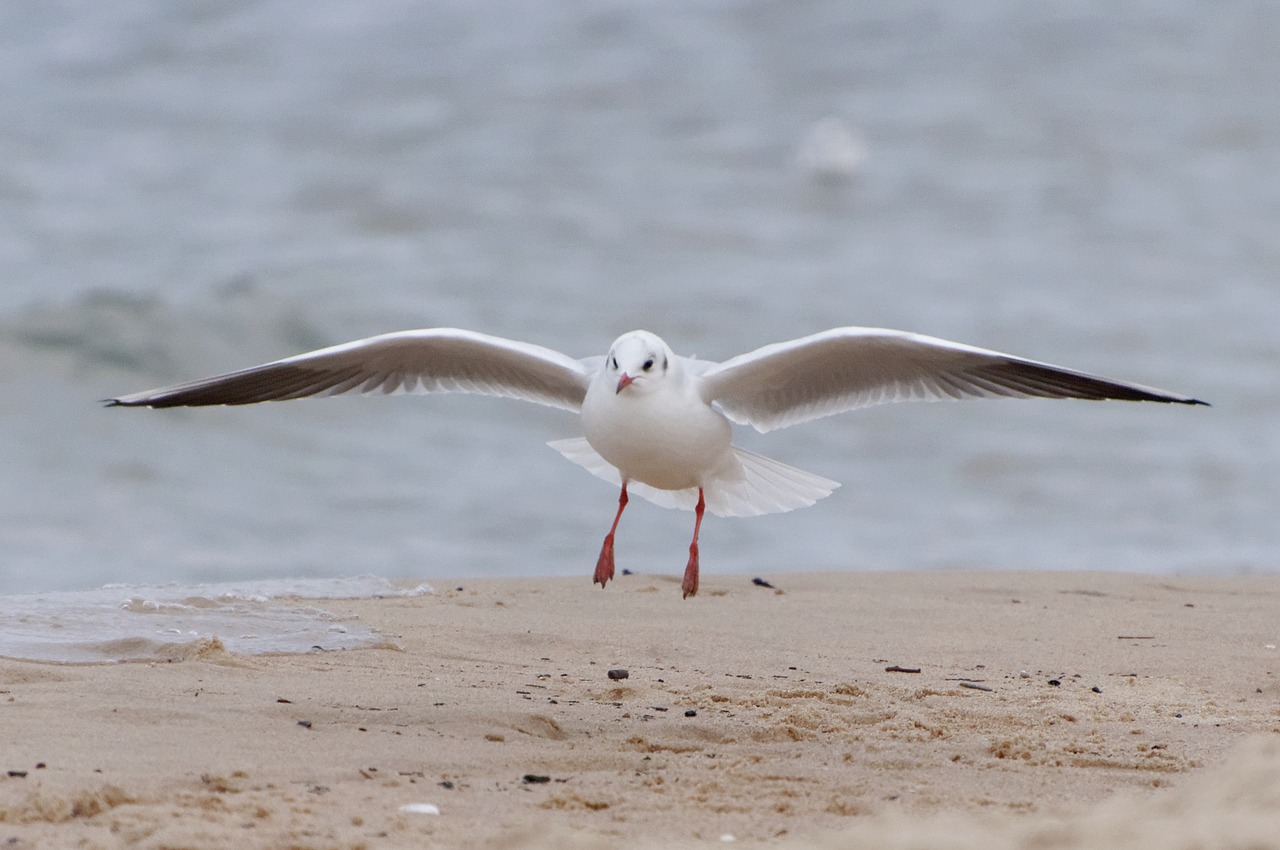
{"x":604,"y":564}
{"x":690,"y":583}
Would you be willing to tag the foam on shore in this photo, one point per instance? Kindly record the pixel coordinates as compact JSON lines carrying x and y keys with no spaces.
{"x":132,"y":622}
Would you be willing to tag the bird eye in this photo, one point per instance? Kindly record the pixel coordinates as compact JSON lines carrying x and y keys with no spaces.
{"x":614,"y":361}
{"x":648,"y":364}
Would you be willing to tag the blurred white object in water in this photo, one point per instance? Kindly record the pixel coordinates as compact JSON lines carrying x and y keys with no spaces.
{"x":832,"y":152}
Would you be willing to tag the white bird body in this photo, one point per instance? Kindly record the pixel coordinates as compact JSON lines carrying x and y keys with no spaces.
{"x":660,"y":423}
{"x":662,"y":435}
{"x":659,"y":431}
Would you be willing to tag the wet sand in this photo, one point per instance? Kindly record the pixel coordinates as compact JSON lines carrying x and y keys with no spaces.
{"x":836,"y":710}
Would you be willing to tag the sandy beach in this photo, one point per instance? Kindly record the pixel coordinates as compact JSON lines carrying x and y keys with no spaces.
{"x":1048,"y":710}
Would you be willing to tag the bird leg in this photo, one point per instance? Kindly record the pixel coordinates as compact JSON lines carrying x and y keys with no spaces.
{"x":604,"y":564}
{"x":690,"y":583}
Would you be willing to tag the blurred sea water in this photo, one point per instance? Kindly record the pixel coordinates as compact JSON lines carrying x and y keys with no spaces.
{"x":189,"y":188}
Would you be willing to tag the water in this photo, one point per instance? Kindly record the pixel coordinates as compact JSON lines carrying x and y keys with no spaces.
{"x":190,"y":188}
{"x":136,"y":622}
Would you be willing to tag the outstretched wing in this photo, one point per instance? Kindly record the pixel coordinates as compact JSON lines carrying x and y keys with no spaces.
{"x":421,"y":361}
{"x":847,"y":368}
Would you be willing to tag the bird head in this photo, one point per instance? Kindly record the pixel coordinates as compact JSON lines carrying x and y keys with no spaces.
{"x":637,"y":361}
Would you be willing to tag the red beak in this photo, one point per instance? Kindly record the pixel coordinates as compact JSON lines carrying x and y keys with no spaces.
{"x":623,"y":382}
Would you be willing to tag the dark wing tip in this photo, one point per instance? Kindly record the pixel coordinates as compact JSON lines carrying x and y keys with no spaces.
{"x":123,"y":401}
{"x":1043,"y":380}
{"x":1162,"y":397}
{"x":1168,"y":398}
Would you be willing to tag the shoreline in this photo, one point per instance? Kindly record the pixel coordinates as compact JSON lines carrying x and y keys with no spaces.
{"x":771,"y":715}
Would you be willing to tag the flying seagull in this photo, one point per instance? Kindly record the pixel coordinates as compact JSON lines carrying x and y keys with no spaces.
{"x":657,"y":423}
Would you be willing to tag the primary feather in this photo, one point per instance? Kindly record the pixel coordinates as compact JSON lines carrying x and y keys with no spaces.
{"x":847,"y":368}
{"x":422,"y":361}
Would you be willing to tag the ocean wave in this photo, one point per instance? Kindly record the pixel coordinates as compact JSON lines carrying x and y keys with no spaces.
{"x":138,"y":622}
{"x":151,"y":336}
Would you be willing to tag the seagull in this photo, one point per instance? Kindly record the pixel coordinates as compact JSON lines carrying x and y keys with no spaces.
{"x":658,"y":424}
{"x":832,"y":152}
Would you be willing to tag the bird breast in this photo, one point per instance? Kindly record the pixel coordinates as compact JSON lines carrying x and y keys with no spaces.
{"x":662,"y":437}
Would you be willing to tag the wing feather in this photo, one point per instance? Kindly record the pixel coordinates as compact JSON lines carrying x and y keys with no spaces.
{"x":848,"y":368}
{"x":421,"y":361}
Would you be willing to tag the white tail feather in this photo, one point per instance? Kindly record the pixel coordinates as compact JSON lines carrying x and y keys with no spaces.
{"x":755,"y":485}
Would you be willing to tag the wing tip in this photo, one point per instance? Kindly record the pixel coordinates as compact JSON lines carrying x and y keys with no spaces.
{"x":1167,"y":398}
{"x":135,"y":400}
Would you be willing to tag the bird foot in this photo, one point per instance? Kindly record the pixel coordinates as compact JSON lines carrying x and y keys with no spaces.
{"x":604,"y":564}
{"x":690,"y":583}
